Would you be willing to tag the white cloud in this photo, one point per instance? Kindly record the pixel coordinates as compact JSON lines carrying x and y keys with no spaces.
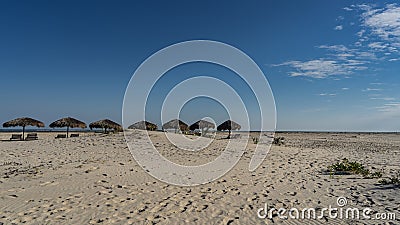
{"x":379,"y":39}
{"x":374,"y":95}
{"x":327,"y":94}
{"x":322,"y":68}
{"x":339,"y":60}
{"x":360,"y":33}
{"x":342,"y":52}
{"x":367,"y":55}
{"x":337,"y":48}
{"x":383,"y":22}
{"x":383,"y":25}
{"x":348,"y":9}
{"x":391,"y":109}
{"x":372,"y":89}
{"x":378,"y":45}
{"x":339,"y":27}
{"x":344,"y":55}
{"x":385,"y":99}
{"x":345,"y":89}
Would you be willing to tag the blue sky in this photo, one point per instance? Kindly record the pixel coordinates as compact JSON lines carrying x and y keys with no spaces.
{"x":332,"y":65}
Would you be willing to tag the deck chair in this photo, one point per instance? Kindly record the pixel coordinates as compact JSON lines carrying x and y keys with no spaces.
{"x":16,"y":137}
{"x":32,"y":136}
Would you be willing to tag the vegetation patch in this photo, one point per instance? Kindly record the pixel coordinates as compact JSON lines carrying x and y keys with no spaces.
{"x":278,"y":141}
{"x":392,"y":180}
{"x":255,"y":140}
{"x":346,"y":167}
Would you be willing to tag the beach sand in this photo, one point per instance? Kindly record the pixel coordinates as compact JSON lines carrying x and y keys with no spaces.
{"x":94,"y":179}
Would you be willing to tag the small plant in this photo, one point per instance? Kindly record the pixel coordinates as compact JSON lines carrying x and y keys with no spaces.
{"x":392,"y":180}
{"x":376,"y":174}
{"x":255,"y":140}
{"x":278,"y":141}
{"x":346,"y":167}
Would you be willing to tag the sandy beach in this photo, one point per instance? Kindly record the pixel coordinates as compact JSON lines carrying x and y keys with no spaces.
{"x":200,"y":112}
{"x":94,"y":179}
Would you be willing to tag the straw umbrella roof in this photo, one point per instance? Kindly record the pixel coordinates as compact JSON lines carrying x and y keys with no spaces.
{"x":143,"y":125}
{"x":173,"y":124}
{"x":201,"y":124}
{"x":23,"y":122}
{"x":106,"y":124}
{"x":229,"y":125}
{"x":68,"y":122}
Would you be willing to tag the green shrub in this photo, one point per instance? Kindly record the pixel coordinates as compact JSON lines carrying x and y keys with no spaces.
{"x":255,"y":140}
{"x":278,"y":141}
{"x":346,"y":167}
{"x":392,"y":180}
{"x":376,"y":174}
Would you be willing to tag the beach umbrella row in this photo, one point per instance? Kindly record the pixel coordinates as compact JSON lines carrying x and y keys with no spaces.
{"x":229,"y":125}
{"x":67,"y":122}
{"x":106,"y":124}
{"x":175,"y":124}
{"x":180,"y":125}
{"x":201,"y":124}
{"x":143,"y":125}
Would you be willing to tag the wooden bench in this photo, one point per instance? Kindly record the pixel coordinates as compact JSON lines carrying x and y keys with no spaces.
{"x":16,"y":137}
{"x":74,"y":135}
{"x":32,"y":136}
{"x":61,"y":136}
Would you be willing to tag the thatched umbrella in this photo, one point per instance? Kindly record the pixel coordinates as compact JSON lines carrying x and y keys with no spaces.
{"x":175,"y":124}
{"x":23,"y":122}
{"x":229,"y":125}
{"x":106,"y":124}
{"x":69,"y":123}
{"x":143,"y":125}
{"x":202,"y":124}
